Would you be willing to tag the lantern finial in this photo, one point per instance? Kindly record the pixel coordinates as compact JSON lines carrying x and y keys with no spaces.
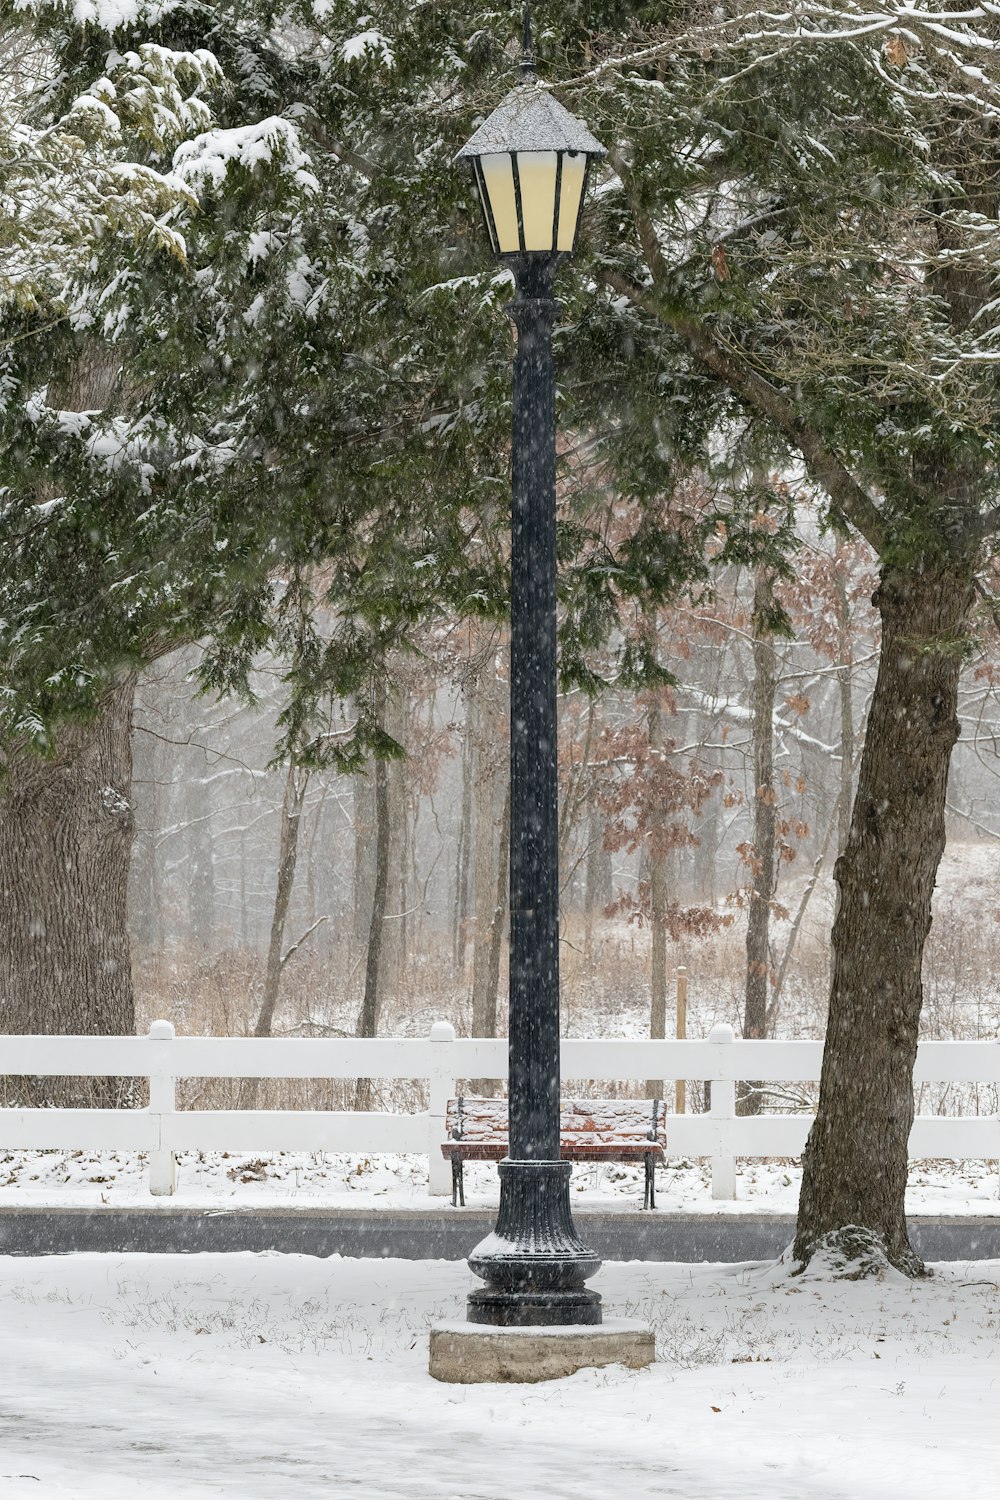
{"x":527,"y":55}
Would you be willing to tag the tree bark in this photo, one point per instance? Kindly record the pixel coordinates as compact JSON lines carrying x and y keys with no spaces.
{"x":855,"y":1162}
{"x":372,"y":1000}
{"x":658,"y":901}
{"x":364,"y":854}
{"x":762,"y":858}
{"x":66,"y":833}
{"x":296,"y":784}
{"x":844,"y":675}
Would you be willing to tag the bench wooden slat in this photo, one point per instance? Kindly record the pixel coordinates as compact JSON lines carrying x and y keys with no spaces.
{"x":588,"y":1127}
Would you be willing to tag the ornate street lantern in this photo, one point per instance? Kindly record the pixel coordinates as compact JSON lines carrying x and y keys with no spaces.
{"x":531,"y":159}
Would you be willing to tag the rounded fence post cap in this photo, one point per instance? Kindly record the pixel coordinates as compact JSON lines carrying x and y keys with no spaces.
{"x":161,"y":1031}
{"x":442,"y":1031}
{"x":723,"y":1032}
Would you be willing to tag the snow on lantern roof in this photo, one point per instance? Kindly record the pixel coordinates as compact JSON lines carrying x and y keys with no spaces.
{"x":530,"y":119}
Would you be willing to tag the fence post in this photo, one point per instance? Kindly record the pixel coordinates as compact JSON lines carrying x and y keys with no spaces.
{"x":723,"y":1108}
{"x":440,"y":1088}
{"x":162,"y":1102}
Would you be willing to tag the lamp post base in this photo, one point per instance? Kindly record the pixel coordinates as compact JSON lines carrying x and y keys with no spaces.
{"x":535,"y":1309}
{"x":465,"y":1355}
{"x":534,"y":1264}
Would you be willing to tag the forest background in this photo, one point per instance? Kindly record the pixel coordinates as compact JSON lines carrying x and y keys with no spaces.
{"x":255,"y":416}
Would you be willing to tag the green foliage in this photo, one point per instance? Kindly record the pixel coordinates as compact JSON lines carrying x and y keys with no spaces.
{"x":277,"y":311}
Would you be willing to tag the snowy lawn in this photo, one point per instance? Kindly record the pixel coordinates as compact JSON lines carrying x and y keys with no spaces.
{"x":85,"y":1179}
{"x":252,"y":1376}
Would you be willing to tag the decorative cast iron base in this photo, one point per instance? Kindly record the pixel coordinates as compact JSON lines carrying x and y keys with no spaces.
{"x":534,"y":1264}
{"x":535,"y":1309}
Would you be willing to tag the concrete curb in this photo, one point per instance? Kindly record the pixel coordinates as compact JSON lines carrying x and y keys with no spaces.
{"x":437,"y":1234}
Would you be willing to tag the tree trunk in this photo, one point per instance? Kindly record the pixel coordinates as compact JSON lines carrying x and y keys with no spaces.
{"x":371,"y":1003}
{"x":145,"y":900}
{"x":296,"y":783}
{"x":779,"y":984}
{"x":201,"y":856}
{"x":364,"y":854}
{"x":658,"y":901}
{"x":598,"y":888}
{"x":762,"y":858}
{"x":489,"y":788}
{"x":461,"y":916}
{"x":395,"y":721}
{"x":844,"y":675}
{"x":485,"y":1024}
{"x":855,"y":1162}
{"x":66,"y":832}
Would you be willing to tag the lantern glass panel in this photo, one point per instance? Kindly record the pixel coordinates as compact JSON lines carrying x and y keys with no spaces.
{"x":536,"y":172}
{"x":574,"y":170}
{"x":498,"y":176}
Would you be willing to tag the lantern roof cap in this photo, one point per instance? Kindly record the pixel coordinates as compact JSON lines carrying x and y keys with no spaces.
{"x":530,"y":119}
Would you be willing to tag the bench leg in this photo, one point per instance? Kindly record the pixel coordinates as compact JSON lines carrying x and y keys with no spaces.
{"x":457,"y":1182}
{"x":649,"y":1201}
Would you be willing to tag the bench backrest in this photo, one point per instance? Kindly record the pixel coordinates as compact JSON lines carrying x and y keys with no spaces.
{"x":582,"y":1122}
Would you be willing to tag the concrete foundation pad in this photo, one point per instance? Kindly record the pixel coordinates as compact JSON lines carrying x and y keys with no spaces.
{"x":473,"y":1353}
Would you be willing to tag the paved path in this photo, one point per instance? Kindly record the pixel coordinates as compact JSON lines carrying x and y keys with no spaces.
{"x":437,"y":1234}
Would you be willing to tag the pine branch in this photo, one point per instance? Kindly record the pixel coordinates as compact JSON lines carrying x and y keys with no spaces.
{"x":828,"y":470}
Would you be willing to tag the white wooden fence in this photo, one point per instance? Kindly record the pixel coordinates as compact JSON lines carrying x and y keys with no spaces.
{"x":440,"y":1059}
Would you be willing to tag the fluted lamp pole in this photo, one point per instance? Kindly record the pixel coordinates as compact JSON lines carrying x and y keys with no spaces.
{"x":531,"y":159}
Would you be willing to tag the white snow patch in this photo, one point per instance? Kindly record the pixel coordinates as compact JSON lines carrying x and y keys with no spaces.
{"x":262,"y":1376}
{"x":207,"y":158}
{"x":365,"y":42}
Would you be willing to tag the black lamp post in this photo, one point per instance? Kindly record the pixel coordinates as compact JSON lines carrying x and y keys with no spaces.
{"x":531,"y":158}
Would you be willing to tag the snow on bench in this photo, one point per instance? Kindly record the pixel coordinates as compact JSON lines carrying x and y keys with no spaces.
{"x":613,"y":1130}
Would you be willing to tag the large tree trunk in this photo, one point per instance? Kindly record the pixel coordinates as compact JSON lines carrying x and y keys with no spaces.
{"x":66,"y":831}
{"x":762,"y":857}
{"x":844,"y":685}
{"x":855,"y":1162}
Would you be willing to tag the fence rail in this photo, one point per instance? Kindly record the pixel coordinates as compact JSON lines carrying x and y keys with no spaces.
{"x":440,"y":1059}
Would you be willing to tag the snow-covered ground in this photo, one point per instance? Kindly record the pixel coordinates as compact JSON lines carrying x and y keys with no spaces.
{"x":298,"y":1180}
{"x":264,"y":1376}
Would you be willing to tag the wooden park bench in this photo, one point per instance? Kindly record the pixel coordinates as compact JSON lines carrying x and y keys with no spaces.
{"x":591,"y":1130}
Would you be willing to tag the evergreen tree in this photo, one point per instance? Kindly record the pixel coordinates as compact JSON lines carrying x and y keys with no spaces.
{"x":805,"y":210}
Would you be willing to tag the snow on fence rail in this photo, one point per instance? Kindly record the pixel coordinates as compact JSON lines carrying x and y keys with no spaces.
{"x":440,"y":1059}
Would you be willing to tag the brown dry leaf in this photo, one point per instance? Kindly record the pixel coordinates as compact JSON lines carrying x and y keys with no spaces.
{"x":896,"y":52}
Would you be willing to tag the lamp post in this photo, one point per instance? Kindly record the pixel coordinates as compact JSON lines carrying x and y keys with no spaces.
{"x":531,"y":159}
